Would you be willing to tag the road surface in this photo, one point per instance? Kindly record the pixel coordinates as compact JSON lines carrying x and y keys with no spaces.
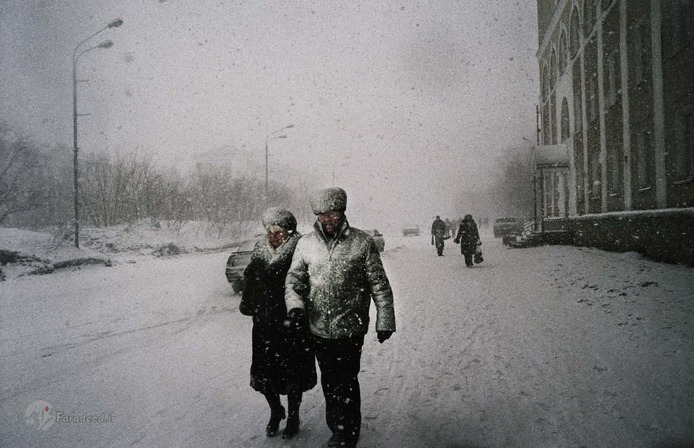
{"x":540,"y":347}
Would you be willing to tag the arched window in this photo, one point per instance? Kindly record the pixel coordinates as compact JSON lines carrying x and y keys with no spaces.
{"x":565,"y":131}
{"x":562,"y":53}
{"x":578,"y":110}
{"x":553,"y":118}
{"x":589,"y":15}
{"x":575,"y":33}
{"x":552,"y":70}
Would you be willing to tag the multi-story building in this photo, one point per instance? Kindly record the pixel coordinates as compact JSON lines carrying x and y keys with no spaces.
{"x":617,"y":124}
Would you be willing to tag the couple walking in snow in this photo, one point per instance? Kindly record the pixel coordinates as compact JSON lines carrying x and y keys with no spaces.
{"x":310,"y":296}
{"x":467,"y":236}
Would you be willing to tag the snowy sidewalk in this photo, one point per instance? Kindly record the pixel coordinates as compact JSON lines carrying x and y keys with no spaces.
{"x":542,"y":347}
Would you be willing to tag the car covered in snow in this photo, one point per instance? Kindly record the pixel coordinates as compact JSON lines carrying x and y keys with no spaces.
{"x":378,"y":238}
{"x":410,"y":230}
{"x":237,"y":262}
{"x":506,"y":226}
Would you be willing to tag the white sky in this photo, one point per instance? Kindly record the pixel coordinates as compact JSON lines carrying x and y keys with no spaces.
{"x":405,"y":104}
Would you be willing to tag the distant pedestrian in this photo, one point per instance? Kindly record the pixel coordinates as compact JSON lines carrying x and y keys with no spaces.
{"x":335,"y":274}
{"x":449,"y":228}
{"x":468,"y":236}
{"x":438,"y":233}
{"x":282,"y":361}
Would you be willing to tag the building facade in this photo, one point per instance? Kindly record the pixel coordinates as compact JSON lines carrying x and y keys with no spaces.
{"x":617,"y":92}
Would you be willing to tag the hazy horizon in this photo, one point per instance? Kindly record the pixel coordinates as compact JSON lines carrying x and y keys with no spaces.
{"x":407,"y":105}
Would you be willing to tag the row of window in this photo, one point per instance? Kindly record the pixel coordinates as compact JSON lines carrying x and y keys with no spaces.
{"x":677,"y":32}
{"x":680,"y":158}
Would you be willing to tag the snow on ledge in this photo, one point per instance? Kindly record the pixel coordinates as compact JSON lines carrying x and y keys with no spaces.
{"x":662,"y":212}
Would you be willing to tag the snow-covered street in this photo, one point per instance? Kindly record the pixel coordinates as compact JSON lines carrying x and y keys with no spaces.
{"x":553,"y":346}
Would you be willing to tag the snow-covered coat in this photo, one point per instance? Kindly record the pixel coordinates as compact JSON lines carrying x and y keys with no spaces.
{"x":282,"y":359}
{"x":335,"y":279}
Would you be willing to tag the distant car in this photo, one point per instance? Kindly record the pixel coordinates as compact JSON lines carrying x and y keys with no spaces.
{"x":378,"y":238}
{"x":410,"y":230}
{"x":237,"y":262}
{"x":506,"y":226}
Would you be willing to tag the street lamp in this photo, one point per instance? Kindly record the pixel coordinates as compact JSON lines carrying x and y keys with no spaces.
{"x":75,"y":56}
{"x":532,"y":171}
{"x":267,"y":140}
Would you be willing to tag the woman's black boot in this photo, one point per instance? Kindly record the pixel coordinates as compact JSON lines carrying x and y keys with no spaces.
{"x":273,"y":426}
{"x":277,"y":414}
{"x":293,"y":420}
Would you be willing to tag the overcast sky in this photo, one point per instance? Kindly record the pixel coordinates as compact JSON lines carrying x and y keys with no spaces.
{"x":406,"y":104}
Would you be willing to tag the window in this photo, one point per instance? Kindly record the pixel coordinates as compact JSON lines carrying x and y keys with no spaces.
{"x":684,"y":146}
{"x":612,"y":88}
{"x":565,"y":131}
{"x":589,"y":15}
{"x":545,"y":83}
{"x":679,"y":18}
{"x":556,"y":194}
{"x":546,"y":124}
{"x":549,"y":193}
{"x":578,"y":112}
{"x":645,"y":160}
{"x":553,"y":117}
{"x":554,"y":184}
{"x":595,"y":176}
{"x":614,"y":169}
{"x":563,"y":61}
{"x":575,"y":33}
{"x":593,"y":97}
{"x":553,"y":70}
{"x":642,"y":50}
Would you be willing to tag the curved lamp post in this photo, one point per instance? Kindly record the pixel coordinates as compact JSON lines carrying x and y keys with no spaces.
{"x":267,"y":140}
{"x":75,"y":149}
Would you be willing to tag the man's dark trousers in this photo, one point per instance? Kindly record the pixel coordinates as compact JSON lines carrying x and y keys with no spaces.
{"x":339,"y":361}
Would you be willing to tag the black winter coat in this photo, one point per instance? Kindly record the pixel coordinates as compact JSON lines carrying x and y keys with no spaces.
{"x":438,"y":228}
{"x":283,"y":360}
{"x":467,"y":236}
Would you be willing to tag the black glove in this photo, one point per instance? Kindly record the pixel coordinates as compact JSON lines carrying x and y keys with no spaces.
{"x":295,"y":319}
{"x":383,"y":335}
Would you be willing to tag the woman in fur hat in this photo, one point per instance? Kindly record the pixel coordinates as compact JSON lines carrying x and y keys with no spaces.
{"x":283,"y":362}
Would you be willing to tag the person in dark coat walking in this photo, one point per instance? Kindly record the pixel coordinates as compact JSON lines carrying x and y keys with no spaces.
{"x":438,"y":233}
{"x":468,"y":236}
{"x":283,"y":361}
{"x":336,"y":272}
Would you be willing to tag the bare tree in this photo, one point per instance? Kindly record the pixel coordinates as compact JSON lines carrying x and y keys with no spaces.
{"x":23,"y":173}
{"x":513,"y":190}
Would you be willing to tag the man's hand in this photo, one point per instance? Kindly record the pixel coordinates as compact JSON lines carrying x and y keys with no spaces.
{"x":383,"y":335}
{"x":295,"y":319}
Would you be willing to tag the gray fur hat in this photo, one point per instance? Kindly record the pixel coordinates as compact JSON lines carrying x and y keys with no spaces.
{"x":328,"y":200}
{"x":280,"y":217}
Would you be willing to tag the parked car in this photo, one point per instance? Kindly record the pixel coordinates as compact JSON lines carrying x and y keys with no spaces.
{"x":237,"y":262}
{"x":410,"y":230}
{"x":506,"y":226}
{"x":378,"y":238}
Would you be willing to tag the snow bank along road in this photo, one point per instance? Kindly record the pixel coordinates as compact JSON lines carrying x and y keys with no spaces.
{"x":542,"y":347}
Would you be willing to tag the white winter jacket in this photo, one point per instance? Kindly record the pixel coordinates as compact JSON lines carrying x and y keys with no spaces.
{"x":335,"y":281}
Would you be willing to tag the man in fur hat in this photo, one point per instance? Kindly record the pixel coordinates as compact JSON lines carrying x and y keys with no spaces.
{"x":336,"y":271}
